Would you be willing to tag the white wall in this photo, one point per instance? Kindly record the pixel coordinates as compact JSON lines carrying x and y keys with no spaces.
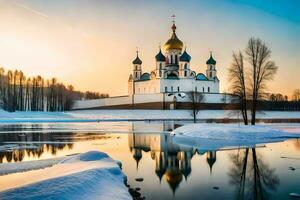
{"x":185,"y":85}
{"x":147,"y":98}
{"x":189,"y":84}
{"x":94,"y":103}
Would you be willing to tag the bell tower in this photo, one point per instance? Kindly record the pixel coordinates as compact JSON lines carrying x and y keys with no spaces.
{"x":211,"y":71}
{"x":137,"y":67}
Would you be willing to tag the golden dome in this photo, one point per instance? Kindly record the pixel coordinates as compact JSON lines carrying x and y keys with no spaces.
{"x":174,"y":42}
{"x":173,"y":177}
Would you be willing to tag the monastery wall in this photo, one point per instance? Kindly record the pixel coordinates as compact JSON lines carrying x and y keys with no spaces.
{"x":147,"y":101}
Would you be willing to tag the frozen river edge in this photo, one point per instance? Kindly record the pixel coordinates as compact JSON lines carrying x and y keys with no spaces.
{"x":137,"y":115}
{"x":91,"y":175}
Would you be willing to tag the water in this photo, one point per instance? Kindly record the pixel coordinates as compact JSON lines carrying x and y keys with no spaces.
{"x":169,"y":170}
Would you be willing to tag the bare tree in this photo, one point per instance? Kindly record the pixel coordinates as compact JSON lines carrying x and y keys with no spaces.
{"x":262,"y":69}
{"x":195,"y":98}
{"x":238,"y":83}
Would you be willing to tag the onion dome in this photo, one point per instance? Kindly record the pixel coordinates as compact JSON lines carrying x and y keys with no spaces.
{"x":160,"y":57}
{"x":137,"y":60}
{"x":185,"y":57}
{"x":211,"y":60}
{"x":174,"y":42}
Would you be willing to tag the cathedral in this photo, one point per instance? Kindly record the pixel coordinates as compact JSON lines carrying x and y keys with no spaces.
{"x":173,"y":73}
{"x":168,"y":86}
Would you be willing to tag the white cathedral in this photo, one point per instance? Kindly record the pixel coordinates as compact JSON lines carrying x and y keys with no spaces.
{"x":165,"y":87}
{"x":173,"y":73}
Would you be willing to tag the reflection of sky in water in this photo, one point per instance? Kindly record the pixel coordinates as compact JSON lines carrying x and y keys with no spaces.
{"x":169,"y":170}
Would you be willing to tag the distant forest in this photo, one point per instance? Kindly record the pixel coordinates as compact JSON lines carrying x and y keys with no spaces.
{"x":21,"y":93}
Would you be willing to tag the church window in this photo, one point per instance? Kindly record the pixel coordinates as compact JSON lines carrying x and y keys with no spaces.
{"x":166,"y":89}
{"x":171,"y":58}
{"x":185,"y":66}
{"x":195,"y":89}
{"x":211,"y":67}
{"x":159,"y":73}
{"x":176,"y":59}
{"x":178,"y":89}
{"x":160,"y":66}
{"x":136,"y":74}
{"x":171,"y":88}
{"x":185,"y":73}
{"x":208,"y":89}
{"x":210,"y":74}
{"x":202,"y":89}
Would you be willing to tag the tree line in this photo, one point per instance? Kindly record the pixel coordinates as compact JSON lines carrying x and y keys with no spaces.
{"x":21,"y":93}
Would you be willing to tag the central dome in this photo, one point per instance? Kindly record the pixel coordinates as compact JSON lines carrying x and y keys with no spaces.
{"x":174,"y":42}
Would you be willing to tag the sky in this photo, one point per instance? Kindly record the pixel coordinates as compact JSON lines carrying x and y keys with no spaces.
{"x":91,"y":43}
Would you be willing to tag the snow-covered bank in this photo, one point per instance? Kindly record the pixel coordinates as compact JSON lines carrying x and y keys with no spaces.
{"x":226,"y":136}
{"x":8,"y":168}
{"x":92,"y":175}
{"x":131,"y":115}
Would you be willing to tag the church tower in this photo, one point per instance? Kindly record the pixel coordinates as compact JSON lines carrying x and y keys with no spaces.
{"x":173,"y":48}
{"x":137,"y":67}
{"x":184,"y":65}
{"x":160,"y":64}
{"x":211,"y":72}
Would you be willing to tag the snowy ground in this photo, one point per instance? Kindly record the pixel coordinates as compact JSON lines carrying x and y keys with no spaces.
{"x":131,"y":115}
{"x":210,"y":137}
{"x":92,"y":175}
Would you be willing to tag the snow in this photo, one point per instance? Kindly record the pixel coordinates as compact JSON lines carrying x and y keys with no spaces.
{"x":9,"y":168}
{"x":92,"y":175}
{"x":131,"y":115}
{"x":227,"y":136}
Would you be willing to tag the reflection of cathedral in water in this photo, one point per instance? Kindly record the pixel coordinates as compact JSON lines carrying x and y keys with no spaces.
{"x":172,"y":161}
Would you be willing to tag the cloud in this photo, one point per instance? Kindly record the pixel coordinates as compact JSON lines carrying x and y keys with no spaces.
{"x":31,"y":10}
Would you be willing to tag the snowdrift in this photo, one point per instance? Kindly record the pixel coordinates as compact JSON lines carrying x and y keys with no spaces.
{"x":209,"y":137}
{"x":92,"y":175}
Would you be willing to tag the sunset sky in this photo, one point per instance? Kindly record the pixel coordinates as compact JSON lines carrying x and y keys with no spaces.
{"x":91,"y":43}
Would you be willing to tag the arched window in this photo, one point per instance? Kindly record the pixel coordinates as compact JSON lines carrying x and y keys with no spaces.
{"x":185,"y":73}
{"x":208,"y":89}
{"x":171,"y":58}
{"x":185,"y":66}
{"x":210,"y":74}
{"x":166,"y":89}
{"x":178,"y":89}
{"x":211,"y":67}
{"x":202,"y":89}
{"x":160,"y":66}
{"x":195,"y":89}
{"x":176,"y":59}
{"x":136,"y":74}
{"x":171,"y":88}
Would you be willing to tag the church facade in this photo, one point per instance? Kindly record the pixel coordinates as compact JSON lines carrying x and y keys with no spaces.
{"x":173,"y":72}
{"x":166,"y":86}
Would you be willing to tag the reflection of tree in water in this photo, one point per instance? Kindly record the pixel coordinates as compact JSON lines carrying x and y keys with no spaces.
{"x":252,"y":177}
{"x":23,"y":145}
